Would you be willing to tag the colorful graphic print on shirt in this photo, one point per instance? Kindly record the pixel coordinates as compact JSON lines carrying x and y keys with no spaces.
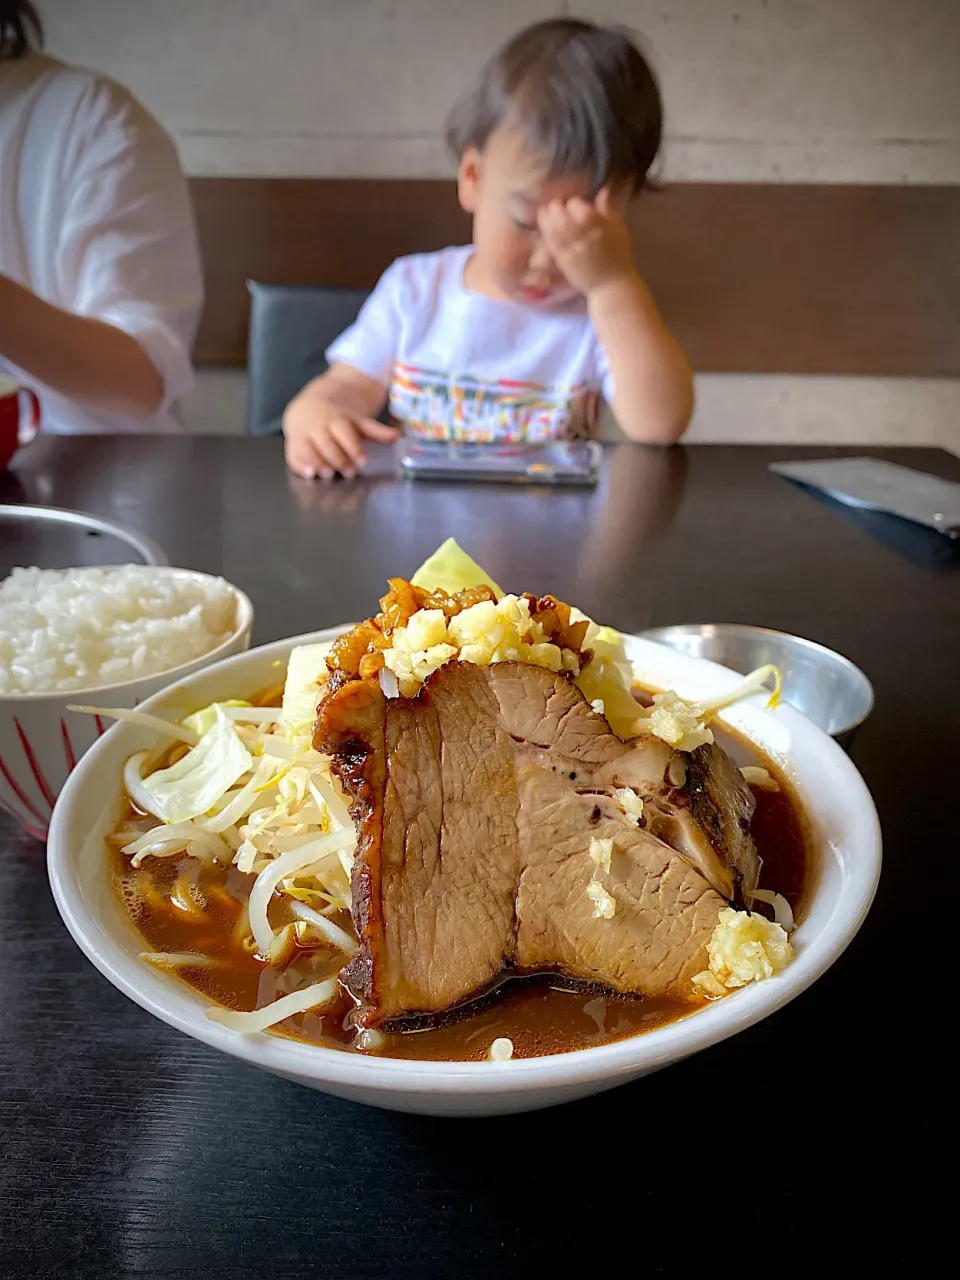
{"x":442,"y":406}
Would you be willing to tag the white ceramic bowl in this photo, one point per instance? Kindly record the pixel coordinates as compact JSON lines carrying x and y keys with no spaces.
{"x":847,"y":840}
{"x":41,"y":741}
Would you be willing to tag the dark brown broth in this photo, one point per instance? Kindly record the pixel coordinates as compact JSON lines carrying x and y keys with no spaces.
{"x":539,"y":1017}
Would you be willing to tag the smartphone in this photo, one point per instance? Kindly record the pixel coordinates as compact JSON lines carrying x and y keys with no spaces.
{"x":560,"y":462}
{"x":875,"y":485}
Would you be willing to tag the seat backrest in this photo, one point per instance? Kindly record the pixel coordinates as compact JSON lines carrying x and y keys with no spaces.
{"x":291,"y":326}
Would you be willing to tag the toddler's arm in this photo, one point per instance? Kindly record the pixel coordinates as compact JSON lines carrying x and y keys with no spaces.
{"x":326,"y":424}
{"x":652,"y":382}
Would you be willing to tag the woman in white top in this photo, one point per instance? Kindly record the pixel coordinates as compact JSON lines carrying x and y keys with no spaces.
{"x":100,"y":278}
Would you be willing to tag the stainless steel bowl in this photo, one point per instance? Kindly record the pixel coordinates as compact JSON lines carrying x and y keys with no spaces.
{"x":826,"y":687}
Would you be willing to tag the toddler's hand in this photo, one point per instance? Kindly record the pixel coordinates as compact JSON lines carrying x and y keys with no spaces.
{"x":589,"y":242}
{"x":321,"y":438}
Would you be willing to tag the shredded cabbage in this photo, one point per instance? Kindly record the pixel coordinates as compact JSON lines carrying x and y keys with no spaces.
{"x":197,"y":781}
{"x":606,"y":681}
{"x":301,"y":691}
{"x":254,"y":792}
{"x":202,"y":722}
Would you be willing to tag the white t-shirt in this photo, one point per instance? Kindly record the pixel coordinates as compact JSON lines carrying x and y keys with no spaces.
{"x":461,"y":366}
{"x":95,"y":217}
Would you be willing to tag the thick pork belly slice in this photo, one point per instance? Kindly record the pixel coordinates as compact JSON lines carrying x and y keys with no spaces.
{"x":477,"y":802}
{"x":665,"y":911}
{"x":705,"y":816}
{"x":436,"y":872}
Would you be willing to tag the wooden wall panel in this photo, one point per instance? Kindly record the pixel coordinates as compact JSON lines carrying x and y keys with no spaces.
{"x":754,"y":278}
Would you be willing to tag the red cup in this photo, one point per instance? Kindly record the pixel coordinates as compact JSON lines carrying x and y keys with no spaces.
{"x":16,"y":428}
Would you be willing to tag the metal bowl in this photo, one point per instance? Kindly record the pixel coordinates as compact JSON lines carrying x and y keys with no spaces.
{"x":826,"y":687}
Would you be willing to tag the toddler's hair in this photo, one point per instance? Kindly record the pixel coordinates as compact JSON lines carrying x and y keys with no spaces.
{"x":582,"y":95}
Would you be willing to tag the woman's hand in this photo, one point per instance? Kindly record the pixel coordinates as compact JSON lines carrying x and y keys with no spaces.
{"x":590,"y":243}
{"x":325,"y":426}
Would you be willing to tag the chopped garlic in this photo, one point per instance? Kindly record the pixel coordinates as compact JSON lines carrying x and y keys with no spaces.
{"x":743,"y":948}
{"x":604,"y":906}
{"x":630,"y":804}
{"x":601,"y":852}
{"x":501,"y":1050}
{"x":483,"y":634}
{"x":680,"y":723}
{"x":425,"y":629}
{"x":597,"y":705}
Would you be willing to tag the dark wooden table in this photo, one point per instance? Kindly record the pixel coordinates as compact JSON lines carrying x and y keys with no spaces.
{"x":804,"y":1144}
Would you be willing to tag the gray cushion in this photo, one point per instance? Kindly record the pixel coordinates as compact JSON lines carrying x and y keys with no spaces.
{"x":291,"y":326}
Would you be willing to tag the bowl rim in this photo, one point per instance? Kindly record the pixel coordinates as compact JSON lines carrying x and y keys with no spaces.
{"x":244,"y":622}
{"x":748,"y":628}
{"x":183,"y":1008}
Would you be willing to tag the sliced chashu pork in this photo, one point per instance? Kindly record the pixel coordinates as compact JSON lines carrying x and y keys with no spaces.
{"x":477,"y":802}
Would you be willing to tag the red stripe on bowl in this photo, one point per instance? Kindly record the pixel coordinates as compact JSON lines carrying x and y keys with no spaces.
{"x":67,"y":746}
{"x":35,"y":769}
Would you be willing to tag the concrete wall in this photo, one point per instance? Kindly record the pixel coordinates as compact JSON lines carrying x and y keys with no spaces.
{"x":755,"y":90}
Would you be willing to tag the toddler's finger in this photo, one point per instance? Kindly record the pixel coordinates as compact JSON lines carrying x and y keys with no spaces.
{"x":302,"y":458}
{"x":551,"y":215}
{"x":334,"y":459}
{"x":580,"y":211}
{"x":346,"y":435}
{"x":602,"y":202}
{"x":375,"y":430}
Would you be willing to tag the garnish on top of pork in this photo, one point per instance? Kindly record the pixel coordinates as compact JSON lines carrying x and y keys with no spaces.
{"x":503,"y":826}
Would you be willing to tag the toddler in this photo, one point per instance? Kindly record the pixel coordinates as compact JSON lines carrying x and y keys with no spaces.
{"x":516,"y":336}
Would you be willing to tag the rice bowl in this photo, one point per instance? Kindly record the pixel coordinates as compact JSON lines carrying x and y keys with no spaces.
{"x":193,"y":620}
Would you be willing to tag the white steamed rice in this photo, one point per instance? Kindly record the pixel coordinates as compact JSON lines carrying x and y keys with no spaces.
{"x":82,"y":628}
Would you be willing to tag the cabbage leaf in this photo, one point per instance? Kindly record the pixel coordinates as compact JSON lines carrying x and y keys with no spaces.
{"x":195,"y":783}
{"x":450,"y":569}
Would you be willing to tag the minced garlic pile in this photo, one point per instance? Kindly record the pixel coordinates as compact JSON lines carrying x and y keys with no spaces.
{"x":743,"y":948}
{"x":483,"y":634}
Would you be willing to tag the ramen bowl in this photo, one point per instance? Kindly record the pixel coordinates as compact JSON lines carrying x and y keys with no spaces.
{"x":824,"y":685}
{"x":41,"y":739}
{"x":846,"y":851}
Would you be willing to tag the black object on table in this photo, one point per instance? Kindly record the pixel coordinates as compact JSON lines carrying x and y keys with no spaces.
{"x":807,"y":1143}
